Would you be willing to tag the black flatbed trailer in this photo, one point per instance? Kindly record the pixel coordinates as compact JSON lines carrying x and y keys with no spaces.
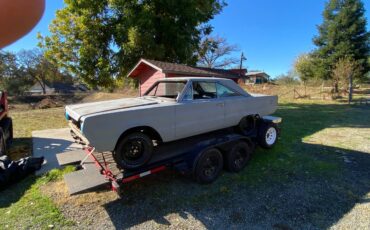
{"x":197,"y":155}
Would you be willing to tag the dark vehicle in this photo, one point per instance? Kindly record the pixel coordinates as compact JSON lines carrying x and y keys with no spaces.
{"x":6,"y":124}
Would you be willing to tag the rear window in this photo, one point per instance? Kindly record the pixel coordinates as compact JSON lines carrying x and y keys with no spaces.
{"x":170,"y":89}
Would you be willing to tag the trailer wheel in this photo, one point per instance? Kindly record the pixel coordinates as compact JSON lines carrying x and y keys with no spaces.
{"x":267,"y":135}
{"x":238,"y":157}
{"x":208,"y":166}
{"x":133,"y":151}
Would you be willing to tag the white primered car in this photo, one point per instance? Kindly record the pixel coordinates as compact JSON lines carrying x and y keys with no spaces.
{"x":172,"y":109}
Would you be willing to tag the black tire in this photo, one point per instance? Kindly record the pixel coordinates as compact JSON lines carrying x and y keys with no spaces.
{"x":247,"y":125}
{"x":267,"y":135}
{"x":133,"y":151}
{"x":238,"y":157}
{"x":208,"y":166}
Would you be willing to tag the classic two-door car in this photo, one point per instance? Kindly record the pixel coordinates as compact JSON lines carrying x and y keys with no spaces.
{"x":171,"y":109}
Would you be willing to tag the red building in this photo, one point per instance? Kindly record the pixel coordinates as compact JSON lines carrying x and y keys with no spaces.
{"x":148,"y":71}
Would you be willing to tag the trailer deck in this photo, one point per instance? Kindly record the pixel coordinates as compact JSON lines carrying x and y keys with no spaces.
{"x":178,"y":154}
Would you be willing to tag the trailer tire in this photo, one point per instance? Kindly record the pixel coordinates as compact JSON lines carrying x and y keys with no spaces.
{"x":133,"y":151}
{"x":208,"y":166}
{"x":267,"y":135}
{"x":238,"y":157}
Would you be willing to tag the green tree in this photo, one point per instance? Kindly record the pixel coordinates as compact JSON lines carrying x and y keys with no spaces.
{"x":343,"y":73}
{"x":101,"y":40}
{"x":33,"y":64}
{"x":304,"y":67}
{"x":342,"y":34}
{"x":289,"y":78}
{"x":11,"y":78}
{"x":8,"y":64}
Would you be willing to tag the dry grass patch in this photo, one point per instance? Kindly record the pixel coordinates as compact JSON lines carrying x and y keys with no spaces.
{"x":102,"y":96}
{"x":351,"y":138}
{"x":26,"y":121}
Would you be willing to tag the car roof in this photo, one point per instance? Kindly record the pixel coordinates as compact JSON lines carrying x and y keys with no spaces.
{"x":227,"y":82}
{"x":194,"y":79}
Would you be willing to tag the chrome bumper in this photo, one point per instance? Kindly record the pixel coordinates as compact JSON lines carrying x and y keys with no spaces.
{"x":272,"y":119}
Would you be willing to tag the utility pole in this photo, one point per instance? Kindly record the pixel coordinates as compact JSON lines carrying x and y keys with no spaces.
{"x":242,"y":58}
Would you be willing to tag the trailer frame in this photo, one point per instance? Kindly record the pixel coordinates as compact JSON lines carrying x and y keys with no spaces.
{"x":181,"y":155}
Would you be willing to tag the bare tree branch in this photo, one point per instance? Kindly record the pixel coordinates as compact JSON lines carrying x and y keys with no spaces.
{"x":214,"y":52}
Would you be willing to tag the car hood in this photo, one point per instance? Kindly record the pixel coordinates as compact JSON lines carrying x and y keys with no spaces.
{"x":79,"y":110}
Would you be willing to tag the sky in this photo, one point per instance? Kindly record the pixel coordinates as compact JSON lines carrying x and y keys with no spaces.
{"x":270,"y":33}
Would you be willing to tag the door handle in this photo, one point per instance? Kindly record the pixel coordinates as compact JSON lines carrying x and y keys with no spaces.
{"x":220,"y":104}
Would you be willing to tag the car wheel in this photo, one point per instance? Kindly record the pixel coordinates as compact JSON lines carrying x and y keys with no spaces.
{"x":267,"y":136}
{"x":208,"y":166}
{"x":246,"y":125}
{"x":238,"y":157}
{"x":133,"y":151}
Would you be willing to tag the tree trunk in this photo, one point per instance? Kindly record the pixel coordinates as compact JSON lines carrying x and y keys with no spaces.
{"x":43,"y":89}
{"x":42,"y":84}
{"x":336,"y":87}
{"x":350,"y":89}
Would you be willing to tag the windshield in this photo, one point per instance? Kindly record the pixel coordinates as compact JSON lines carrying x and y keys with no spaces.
{"x":169,"y":89}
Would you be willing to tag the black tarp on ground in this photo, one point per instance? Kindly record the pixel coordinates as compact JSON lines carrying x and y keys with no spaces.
{"x":14,"y":171}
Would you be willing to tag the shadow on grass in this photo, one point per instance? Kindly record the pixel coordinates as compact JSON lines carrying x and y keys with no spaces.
{"x":21,"y":147}
{"x":15,"y":191}
{"x":294,"y":185}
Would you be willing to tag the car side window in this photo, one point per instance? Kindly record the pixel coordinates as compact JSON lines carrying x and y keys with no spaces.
{"x":223,"y":91}
{"x":188,"y":96}
{"x":204,"y":90}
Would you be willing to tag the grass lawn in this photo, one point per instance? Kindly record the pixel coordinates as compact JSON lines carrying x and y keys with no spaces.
{"x":26,"y":121}
{"x":22,"y":205}
{"x":316,"y":137}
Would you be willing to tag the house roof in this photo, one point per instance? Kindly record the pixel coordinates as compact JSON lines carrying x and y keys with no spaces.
{"x":257,"y":73}
{"x":54,"y":85}
{"x":62,"y":86}
{"x":167,"y":67}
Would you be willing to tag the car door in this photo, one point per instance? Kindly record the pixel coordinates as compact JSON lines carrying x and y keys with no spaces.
{"x":234,"y":104}
{"x":199,"y":111}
